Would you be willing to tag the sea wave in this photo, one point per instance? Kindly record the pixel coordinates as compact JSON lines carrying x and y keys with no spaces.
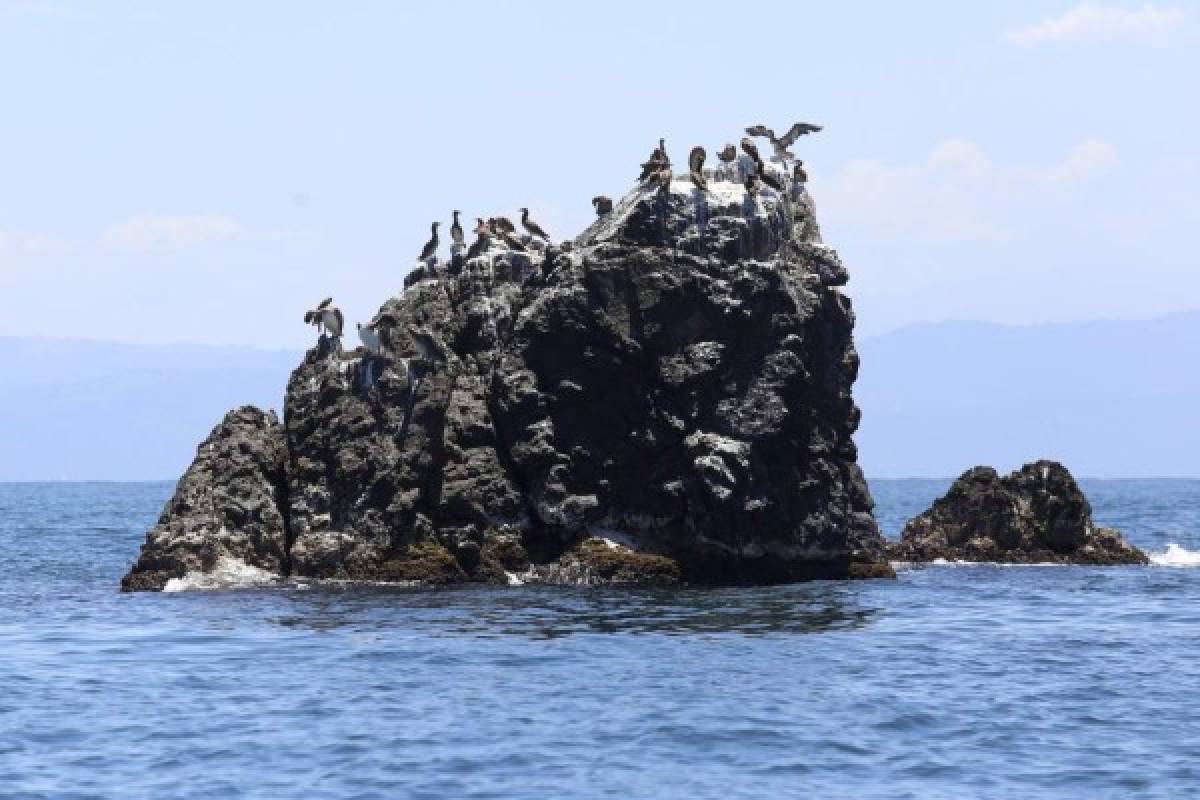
{"x":229,"y":573}
{"x":1175,"y":556}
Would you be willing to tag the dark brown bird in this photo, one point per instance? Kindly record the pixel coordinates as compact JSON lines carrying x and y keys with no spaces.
{"x":532,"y":227}
{"x":799,"y":175}
{"x":658,"y":158}
{"x":501,"y":225}
{"x":752,"y":151}
{"x":696,"y":168}
{"x":507,"y":233}
{"x":728,"y":153}
{"x":456,"y":231}
{"x":432,"y":245}
{"x":602,"y":204}
{"x":781,"y":144}
{"x":481,"y":243}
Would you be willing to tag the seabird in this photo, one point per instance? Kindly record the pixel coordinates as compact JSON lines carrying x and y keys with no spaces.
{"x":728,"y":153}
{"x":482,"y":240}
{"x":432,"y":245}
{"x":799,"y":175}
{"x":456,"y":231}
{"x":501,"y":224}
{"x":753,"y":184}
{"x":602,"y":204}
{"x":531,"y":226}
{"x":427,"y":346}
{"x":696,"y":168}
{"x":369,"y":336}
{"x":752,"y":151}
{"x":657,"y":159}
{"x":327,"y":318}
{"x":782,"y":143}
{"x":480,"y":226}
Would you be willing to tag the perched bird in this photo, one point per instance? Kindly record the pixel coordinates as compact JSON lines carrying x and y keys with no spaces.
{"x":431,"y":246}
{"x":482,"y":240}
{"x":752,"y":151}
{"x":728,"y":153}
{"x":327,"y":317}
{"x":532,"y":227}
{"x":500,"y":224}
{"x":658,"y":158}
{"x":427,"y":346}
{"x":480,"y":226}
{"x":696,"y":168}
{"x":753,"y":184}
{"x":506,"y":232}
{"x":456,"y":231}
{"x":799,"y":175}
{"x":370,"y":338}
{"x":602,"y":204}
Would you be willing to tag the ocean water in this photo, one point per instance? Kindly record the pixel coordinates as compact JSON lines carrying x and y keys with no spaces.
{"x":953,"y":681}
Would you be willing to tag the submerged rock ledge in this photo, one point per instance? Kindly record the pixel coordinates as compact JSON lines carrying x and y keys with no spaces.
{"x":1036,"y":515}
{"x":666,"y":398}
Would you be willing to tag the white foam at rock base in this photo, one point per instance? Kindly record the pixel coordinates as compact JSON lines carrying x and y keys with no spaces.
{"x":229,"y":573}
{"x":1175,"y":556}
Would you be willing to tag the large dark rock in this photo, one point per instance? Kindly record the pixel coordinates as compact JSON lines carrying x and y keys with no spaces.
{"x":666,"y":397}
{"x":1035,"y":515}
{"x":226,"y":506}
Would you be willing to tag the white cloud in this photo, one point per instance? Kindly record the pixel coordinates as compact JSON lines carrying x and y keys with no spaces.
{"x":957,"y":194}
{"x":158,"y":231}
{"x":1094,"y":23}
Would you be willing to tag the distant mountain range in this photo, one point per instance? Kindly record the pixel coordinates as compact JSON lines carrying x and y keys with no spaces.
{"x":1109,"y":399}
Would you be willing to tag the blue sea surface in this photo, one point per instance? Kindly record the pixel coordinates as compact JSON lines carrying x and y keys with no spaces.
{"x":951,"y":682}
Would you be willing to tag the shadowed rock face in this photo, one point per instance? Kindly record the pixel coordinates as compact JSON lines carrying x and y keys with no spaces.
{"x":1035,"y":515}
{"x":667,"y":397}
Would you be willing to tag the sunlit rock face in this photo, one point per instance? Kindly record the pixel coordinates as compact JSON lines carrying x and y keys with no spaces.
{"x":664,"y":398}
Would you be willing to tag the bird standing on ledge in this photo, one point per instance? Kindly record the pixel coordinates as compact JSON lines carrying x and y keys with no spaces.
{"x":696,"y":168}
{"x":532,"y":227}
{"x":431,"y":246}
{"x":603,"y":205}
{"x":456,"y":231}
{"x":327,"y":317}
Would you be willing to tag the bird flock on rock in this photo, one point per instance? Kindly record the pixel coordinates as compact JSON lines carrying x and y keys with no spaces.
{"x":656,"y":171}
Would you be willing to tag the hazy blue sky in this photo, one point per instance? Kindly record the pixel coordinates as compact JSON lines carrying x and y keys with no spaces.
{"x":204,"y":172}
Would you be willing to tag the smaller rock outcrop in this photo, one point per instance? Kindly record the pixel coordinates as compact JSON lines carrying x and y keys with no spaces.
{"x":1037,"y":514}
{"x":226,"y":506}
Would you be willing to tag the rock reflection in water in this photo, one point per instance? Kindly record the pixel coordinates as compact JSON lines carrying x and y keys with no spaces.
{"x":551,"y":612}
